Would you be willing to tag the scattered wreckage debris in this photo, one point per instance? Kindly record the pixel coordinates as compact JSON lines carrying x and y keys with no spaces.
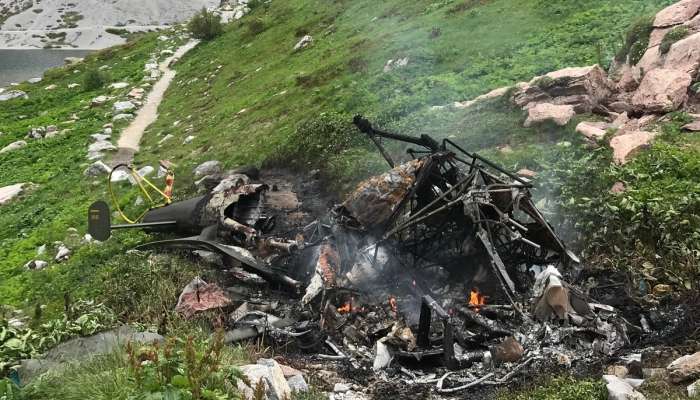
{"x":441,"y":265}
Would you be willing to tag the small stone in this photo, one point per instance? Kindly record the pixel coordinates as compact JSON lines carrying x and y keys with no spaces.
{"x":297,"y":383}
{"x":8,"y":193}
{"x":625,"y":145}
{"x":96,"y":169}
{"x":618,"y":389}
{"x":165,"y":138}
{"x":341,"y":388}
{"x":188,"y":139}
{"x":63,"y":253}
{"x":36,"y":265}
{"x":508,"y":351}
{"x":98,"y":101}
{"x":694,"y":389}
{"x":41,"y":250}
{"x":527,"y":173}
{"x":122,"y":117}
{"x":618,"y":188}
{"x":305,"y":42}
{"x":34,"y":80}
{"x":619,"y":371}
{"x":50,"y":87}
{"x":122,"y":106}
{"x":207,"y":168}
{"x":13,"y":94}
{"x":118,"y":85}
{"x":73,"y":85}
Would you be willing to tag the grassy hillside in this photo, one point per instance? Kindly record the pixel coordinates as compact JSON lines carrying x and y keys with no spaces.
{"x":247,"y":97}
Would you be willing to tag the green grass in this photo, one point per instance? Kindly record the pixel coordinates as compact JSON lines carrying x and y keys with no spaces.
{"x":560,"y":388}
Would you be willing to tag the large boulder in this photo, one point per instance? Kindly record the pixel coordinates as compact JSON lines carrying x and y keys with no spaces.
{"x":8,"y":193}
{"x":559,"y":114}
{"x":684,"y":55}
{"x":677,"y":13}
{"x":662,"y":90}
{"x":625,"y":145}
{"x":651,"y":60}
{"x":207,"y":168}
{"x":583,"y":87}
{"x":592,"y":130}
{"x":13,"y":146}
{"x":13,"y":94}
{"x":123,"y":106}
{"x":268,"y":373}
{"x":685,"y":368}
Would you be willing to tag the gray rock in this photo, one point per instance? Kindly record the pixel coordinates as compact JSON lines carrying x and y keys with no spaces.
{"x":297,"y":384}
{"x":122,"y":117}
{"x":72,"y":60}
{"x":101,"y":145}
{"x":36,"y":265}
{"x":694,"y":389}
{"x":13,"y":94}
{"x":395,"y":64}
{"x":13,"y":146}
{"x":304,"y":42}
{"x":559,"y":114}
{"x":122,"y":106}
{"x":97,"y":168}
{"x":63,"y":253}
{"x":118,"y":85}
{"x":270,"y":374}
{"x":41,"y":250}
{"x":83,"y":348}
{"x":34,"y":80}
{"x":8,"y":193}
{"x":341,"y":387}
{"x":207,"y":168}
{"x":98,"y":101}
{"x":662,"y":90}
{"x":618,"y":389}
{"x":684,"y":368}
{"x":98,"y":137}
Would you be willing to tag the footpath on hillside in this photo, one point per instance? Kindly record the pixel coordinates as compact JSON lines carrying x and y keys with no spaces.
{"x":130,"y":138}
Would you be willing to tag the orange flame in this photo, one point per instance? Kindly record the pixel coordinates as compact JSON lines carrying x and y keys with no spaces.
{"x":393,"y":304}
{"x":476,"y":299}
{"x":346,"y":308}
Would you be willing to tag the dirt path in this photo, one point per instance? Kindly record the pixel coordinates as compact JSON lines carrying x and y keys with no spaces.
{"x":130,"y":138}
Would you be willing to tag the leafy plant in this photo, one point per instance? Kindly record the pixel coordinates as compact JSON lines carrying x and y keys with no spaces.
{"x":94,"y":79}
{"x":205,"y":25}
{"x":184,"y":369}
{"x":636,"y":41}
{"x":82,"y":318}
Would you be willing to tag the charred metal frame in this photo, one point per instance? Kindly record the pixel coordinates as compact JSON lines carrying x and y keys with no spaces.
{"x":428,"y":304}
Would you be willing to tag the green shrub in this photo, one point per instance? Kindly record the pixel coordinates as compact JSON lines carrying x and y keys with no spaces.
{"x":671,"y":37}
{"x":94,"y":79}
{"x":205,"y":25}
{"x":636,"y":41}
{"x":255,"y":26}
{"x":117,"y":31}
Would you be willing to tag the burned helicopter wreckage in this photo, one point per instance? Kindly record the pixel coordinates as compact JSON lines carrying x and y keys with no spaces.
{"x":443,"y":260}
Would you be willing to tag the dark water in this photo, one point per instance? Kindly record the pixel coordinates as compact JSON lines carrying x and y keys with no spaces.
{"x":20,"y":65}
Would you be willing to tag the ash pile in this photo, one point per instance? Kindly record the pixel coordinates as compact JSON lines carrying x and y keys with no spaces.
{"x":438,"y":276}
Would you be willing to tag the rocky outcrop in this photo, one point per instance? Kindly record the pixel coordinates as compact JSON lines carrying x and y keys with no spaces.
{"x":684,"y":55}
{"x":268,"y":373}
{"x":583,"y":88}
{"x":677,"y":13}
{"x":662,"y":90}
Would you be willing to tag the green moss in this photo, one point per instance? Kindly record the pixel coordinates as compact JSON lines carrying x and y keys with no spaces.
{"x":636,"y":40}
{"x":671,"y":37}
